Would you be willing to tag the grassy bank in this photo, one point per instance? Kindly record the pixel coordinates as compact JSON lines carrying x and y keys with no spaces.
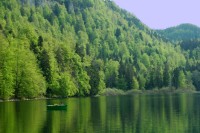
{"x":112,"y":92}
{"x":165,"y":90}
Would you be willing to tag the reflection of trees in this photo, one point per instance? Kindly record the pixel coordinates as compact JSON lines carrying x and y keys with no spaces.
{"x":136,"y":114}
{"x":22,"y":117}
{"x":7,"y":118}
{"x":155,"y":114}
{"x":141,"y":114}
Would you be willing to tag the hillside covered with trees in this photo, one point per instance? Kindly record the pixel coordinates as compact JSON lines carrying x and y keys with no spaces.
{"x":187,"y":36}
{"x":81,"y":47}
{"x":181,"y":32}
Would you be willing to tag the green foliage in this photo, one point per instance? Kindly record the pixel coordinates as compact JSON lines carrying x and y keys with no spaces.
{"x":135,"y":83}
{"x":29,"y":81}
{"x":186,"y":37}
{"x":67,"y":86}
{"x":79,"y":48}
{"x":6,"y":70}
{"x":196,"y":79}
{"x":142,"y":82}
{"x":111,"y":73}
{"x":181,"y":80}
{"x":181,"y":32}
{"x":96,"y":77}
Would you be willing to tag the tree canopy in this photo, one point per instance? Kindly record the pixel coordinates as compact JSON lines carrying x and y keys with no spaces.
{"x":79,"y":48}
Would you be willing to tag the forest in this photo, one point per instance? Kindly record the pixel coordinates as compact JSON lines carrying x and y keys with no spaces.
{"x":81,"y":47}
{"x":182,"y":32}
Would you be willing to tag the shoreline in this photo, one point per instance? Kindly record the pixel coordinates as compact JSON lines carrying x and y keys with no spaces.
{"x":27,"y":99}
{"x":116,"y":92}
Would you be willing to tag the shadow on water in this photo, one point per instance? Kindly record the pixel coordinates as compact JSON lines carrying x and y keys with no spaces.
{"x":177,"y":113}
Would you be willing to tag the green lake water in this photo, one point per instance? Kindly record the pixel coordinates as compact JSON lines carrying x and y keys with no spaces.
{"x":177,"y":113}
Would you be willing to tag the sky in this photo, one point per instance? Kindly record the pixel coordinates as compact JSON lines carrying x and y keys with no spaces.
{"x":161,"y":14}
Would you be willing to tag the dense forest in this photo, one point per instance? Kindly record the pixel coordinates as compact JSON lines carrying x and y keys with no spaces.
{"x":187,"y":36}
{"x":181,"y":32}
{"x":79,"y":48}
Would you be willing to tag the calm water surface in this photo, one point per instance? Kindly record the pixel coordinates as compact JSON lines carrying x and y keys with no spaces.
{"x":178,"y":113}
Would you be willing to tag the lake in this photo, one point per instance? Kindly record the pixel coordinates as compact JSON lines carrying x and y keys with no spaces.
{"x":172,"y":113}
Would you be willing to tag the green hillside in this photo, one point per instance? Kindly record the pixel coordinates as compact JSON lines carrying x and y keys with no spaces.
{"x":187,"y":36}
{"x":181,"y":32}
{"x":81,"y":47}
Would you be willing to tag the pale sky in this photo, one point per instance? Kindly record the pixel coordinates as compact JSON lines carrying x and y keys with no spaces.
{"x":160,"y":14}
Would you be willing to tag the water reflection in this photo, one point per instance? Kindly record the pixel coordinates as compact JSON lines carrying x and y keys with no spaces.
{"x":126,"y":114}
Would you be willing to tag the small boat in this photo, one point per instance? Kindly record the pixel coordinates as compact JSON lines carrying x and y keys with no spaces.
{"x":57,"y":107}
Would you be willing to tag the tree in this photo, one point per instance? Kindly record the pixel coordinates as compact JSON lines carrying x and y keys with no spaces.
{"x":29,"y":82}
{"x":175,"y":78}
{"x":135,"y":84}
{"x":118,"y":32}
{"x":6,"y":70}
{"x":142,"y":82}
{"x":32,"y":84}
{"x":166,"y":75}
{"x":196,"y":79}
{"x":56,"y":10}
{"x":81,"y":44}
{"x":45,"y":65}
{"x":111,"y":73}
{"x":124,"y":52}
{"x":96,"y":77}
{"x":181,"y":79}
{"x":67,"y":86}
